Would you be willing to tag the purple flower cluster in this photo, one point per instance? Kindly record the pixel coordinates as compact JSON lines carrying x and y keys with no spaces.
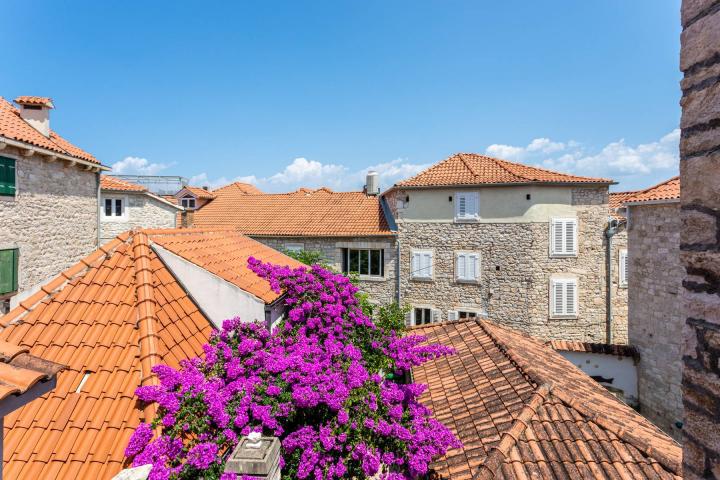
{"x":309,"y":383}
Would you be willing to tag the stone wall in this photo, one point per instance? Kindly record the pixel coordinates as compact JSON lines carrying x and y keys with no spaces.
{"x":52,"y":219}
{"x":655,"y":312}
{"x":619,"y":292}
{"x":142,"y":211}
{"x":381,"y":291}
{"x":700,"y":237}
{"x":516,"y":269}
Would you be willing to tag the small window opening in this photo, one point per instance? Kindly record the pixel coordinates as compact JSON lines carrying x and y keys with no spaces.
{"x":450,"y":198}
{"x":527,"y":196}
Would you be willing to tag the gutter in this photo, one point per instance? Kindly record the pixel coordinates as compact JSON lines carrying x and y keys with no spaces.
{"x":610,"y":231}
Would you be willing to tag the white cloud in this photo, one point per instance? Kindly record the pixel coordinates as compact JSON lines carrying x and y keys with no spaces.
{"x":617,"y":160}
{"x":302,"y":172}
{"x":138,"y":166}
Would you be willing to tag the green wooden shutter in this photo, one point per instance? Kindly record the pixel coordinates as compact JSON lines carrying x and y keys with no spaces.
{"x":7,"y":176}
{"x":8,"y":271}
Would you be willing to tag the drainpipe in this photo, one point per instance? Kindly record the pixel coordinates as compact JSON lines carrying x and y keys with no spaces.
{"x":97,"y":210}
{"x":610,"y":231}
{"x":397,"y":273}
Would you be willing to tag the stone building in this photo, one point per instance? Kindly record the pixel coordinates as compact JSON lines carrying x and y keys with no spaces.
{"x":522,"y":245}
{"x":351,"y":229}
{"x":654,"y":307}
{"x":700,"y":235}
{"x":48,"y":198}
{"x":125,"y":206}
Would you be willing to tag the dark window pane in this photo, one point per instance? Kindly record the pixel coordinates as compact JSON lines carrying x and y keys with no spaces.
{"x":354,"y":261}
{"x":375,"y":262}
{"x":108,"y":207}
{"x":118,"y":208}
{"x":364,"y":268}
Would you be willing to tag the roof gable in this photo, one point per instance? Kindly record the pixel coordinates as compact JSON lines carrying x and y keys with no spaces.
{"x":108,"y":182}
{"x":523,"y":411}
{"x":669,"y":190}
{"x":476,"y":169}
{"x":305,"y":212}
{"x":13,"y":127}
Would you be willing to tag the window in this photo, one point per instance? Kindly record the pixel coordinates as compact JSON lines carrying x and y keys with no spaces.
{"x":421,"y":265}
{"x":365,"y":261}
{"x":8,"y":270}
{"x":467,"y":206}
{"x":113,"y":208}
{"x":467,"y":266}
{"x":623,"y":268}
{"x":424,"y":315}
{"x":564,"y":297}
{"x":7,"y":177}
{"x":188,"y":202}
{"x":563,"y":236}
{"x":294,"y":247}
{"x":462,"y":314}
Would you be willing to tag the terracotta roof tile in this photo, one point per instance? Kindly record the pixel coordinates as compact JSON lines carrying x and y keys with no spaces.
{"x":199,"y":192}
{"x":523,"y":411}
{"x":108,"y":182}
{"x":667,"y":190}
{"x":587,"y":347}
{"x":312,"y":213}
{"x":224,"y":252}
{"x":15,"y":128}
{"x":475,"y":169}
{"x":30,"y":100}
{"x":240,"y":187}
{"x":20,"y":371}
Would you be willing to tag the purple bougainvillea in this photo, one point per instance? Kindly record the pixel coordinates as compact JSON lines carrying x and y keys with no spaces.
{"x":320,"y":382}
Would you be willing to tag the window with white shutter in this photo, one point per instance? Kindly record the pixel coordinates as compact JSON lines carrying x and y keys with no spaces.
{"x":564,"y":297}
{"x":623,"y":268}
{"x":424,"y":315}
{"x":563,"y":236}
{"x":467,"y":266}
{"x":467,"y":206}
{"x":421,"y":265}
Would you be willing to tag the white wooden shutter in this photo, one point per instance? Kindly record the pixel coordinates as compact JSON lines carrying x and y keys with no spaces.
{"x":461,"y":207}
{"x":570,"y":297}
{"x":557,"y":237}
{"x":474,"y":266}
{"x":452,"y":315}
{"x":461,"y":260}
{"x":467,"y":205}
{"x":409,"y":317}
{"x":436,"y":315}
{"x":563,"y":236}
{"x":570,"y":236}
{"x":558,"y":297}
{"x":564,"y":299}
{"x":415,"y":264}
{"x":427,"y":265}
{"x":623,"y":268}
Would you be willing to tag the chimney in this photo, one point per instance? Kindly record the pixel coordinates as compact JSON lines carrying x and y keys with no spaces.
{"x":36,"y":112}
{"x":372,"y":183}
{"x":205,"y":187}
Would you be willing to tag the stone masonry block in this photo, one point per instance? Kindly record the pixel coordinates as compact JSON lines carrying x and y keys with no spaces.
{"x":701,"y":106}
{"x":692,"y":8}
{"x":700,"y":41}
{"x":701,"y":181}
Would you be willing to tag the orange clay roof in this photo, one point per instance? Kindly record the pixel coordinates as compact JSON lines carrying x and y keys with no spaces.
{"x":199,"y":192}
{"x":224,"y":253}
{"x":112,"y":183}
{"x":15,"y":128}
{"x":305,"y":212}
{"x":113,"y":315}
{"x":30,"y":100}
{"x":522,"y":411}
{"x":475,"y":169}
{"x":588,"y":347}
{"x":241,"y":187}
{"x":667,"y":190}
{"x":20,"y":371}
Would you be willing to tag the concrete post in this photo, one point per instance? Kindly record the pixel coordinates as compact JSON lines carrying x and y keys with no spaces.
{"x":256,"y":457}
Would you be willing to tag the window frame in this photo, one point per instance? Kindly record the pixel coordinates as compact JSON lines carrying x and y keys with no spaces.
{"x":478,"y":266}
{"x":114,"y":199}
{"x":188,"y":198}
{"x":564,"y":253}
{"x":474,"y":197}
{"x":413,"y":271}
{"x":15,"y":271}
{"x":434,"y":315}
{"x":346,"y":251}
{"x":10,"y":195}
{"x":623,"y":274}
{"x":576,"y":296}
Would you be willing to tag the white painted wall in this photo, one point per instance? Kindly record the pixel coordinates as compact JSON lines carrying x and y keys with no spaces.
{"x":622,"y":371}
{"x":506,"y":204}
{"x":218,"y":298}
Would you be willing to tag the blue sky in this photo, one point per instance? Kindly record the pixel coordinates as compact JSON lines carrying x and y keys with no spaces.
{"x":309,"y":93}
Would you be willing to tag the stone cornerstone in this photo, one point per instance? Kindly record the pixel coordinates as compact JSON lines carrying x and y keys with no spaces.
{"x":700,"y":235}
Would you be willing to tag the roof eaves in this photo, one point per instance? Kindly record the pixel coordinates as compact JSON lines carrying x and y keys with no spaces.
{"x":53,"y":154}
{"x":501,"y":184}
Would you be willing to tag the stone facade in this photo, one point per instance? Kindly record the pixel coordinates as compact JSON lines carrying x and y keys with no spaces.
{"x":515,"y":270}
{"x":700,"y":235}
{"x":52,"y":219}
{"x":655,"y":312}
{"x":381,"y":290}
{"x":141,"y":211}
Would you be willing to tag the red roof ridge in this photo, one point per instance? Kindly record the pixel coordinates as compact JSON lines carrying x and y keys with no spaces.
{"x":536,"y":375}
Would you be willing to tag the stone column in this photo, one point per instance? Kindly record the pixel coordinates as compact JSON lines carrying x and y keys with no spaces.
{"x":256,"y":457}
{"x":700,"y":235}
